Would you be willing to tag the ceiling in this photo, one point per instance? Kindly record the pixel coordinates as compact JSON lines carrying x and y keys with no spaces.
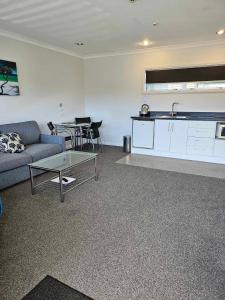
{"x":106,"y":26}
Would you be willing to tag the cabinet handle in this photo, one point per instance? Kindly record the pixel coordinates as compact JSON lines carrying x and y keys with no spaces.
{"x":168,"y":127}
{"x":172,"y":127}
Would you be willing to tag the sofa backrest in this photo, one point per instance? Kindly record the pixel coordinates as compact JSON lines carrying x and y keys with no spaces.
{"x":28,"y":131}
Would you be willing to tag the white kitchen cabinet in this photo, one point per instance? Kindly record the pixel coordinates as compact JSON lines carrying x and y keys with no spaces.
{"x":171,"y":136}
{"x":183,"y":139}
{"x":202,"y":124}
{"x":200,"y":146}
{"x":178,"y":142}
{"x":202,"y":132}
{"x":143,"y":134}
{"x":201,"y":138}
{"x":162,"y":135}
{"x":219,"y":150}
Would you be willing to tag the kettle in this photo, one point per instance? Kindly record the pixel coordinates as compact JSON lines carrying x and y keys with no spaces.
{"x":144,"y":110}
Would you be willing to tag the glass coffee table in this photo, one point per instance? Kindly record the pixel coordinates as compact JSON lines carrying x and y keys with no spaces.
{"x":63,"y":164}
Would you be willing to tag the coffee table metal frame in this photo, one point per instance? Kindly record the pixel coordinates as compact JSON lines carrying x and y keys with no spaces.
{"x":60,"y":176}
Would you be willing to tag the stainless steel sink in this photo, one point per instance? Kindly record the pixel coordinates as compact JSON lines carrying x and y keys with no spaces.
{"x":181,"y":117}
{"x":172,"y":117}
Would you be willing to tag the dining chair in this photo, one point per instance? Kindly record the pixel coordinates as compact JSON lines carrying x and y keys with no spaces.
{"x":79,"y":131}
{"x":92,"y":133}
{"x":83,"y":120}
{"x":67,"y":133}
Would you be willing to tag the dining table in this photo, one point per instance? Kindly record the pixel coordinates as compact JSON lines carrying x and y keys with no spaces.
{"x":76,"y":130}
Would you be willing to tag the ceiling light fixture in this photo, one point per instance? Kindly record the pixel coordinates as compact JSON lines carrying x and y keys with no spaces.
{"x":221,"y":31}
{"x":145,"y":43}
{"x":79,"y":44}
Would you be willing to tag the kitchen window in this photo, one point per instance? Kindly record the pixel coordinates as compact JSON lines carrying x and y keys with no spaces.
{"x":185,"y":80}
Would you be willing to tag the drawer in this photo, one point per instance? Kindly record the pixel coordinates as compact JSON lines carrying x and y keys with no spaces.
{"x":200,"y":146}
{"x":202,"y":124}
{"x":219,"y":149}
{"x":202,"y":132}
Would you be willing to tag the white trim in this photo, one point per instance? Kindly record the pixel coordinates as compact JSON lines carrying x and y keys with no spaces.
{"x":202,"y":91}
{"x":25,"y":39}
{"x":155,"y":49}
{"x":203,"y":158}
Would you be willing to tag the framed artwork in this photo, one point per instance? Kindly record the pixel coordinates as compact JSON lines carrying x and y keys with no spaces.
{"x":9,"y":85}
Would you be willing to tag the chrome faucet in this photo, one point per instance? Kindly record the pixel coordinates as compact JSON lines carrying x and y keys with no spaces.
{"x":173,"y":113}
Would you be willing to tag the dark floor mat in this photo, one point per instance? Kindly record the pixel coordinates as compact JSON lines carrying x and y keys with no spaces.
{"x":52,"y":289}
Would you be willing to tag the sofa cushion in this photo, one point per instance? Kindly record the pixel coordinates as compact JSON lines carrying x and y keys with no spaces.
{"x":39,"y":151}
{"x":28,"y":131}
{"x":9,"y":161}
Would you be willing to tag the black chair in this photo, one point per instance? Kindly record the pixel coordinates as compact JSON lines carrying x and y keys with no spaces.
{"x":51,"y":128}
{"x":83,"y":120}
{"x":92,"y":133}
{"x":65,"y":132}
{"x":79,"y":131}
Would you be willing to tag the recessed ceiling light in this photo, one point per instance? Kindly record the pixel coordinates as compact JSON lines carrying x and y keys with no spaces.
{"x":145,"y":43}
{"x":221,"y":31}
{"x":79,"y":44}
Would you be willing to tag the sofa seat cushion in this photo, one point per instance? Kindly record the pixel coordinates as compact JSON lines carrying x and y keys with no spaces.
{"x":39,"y":151}
{"x":9,"y":161}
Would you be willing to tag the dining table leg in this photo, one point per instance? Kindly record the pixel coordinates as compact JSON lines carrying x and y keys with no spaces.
{"x":81,"y":139}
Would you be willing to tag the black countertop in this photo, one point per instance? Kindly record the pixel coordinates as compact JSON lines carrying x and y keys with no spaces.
{"x":195,"y":116}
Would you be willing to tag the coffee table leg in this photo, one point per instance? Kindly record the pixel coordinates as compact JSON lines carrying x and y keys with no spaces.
{"x":96,"y":170}
{"x":62,"y":196}
{"x":31,"y":180}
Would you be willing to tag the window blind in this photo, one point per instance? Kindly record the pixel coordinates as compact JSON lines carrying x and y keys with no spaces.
{"x":211,"y":73}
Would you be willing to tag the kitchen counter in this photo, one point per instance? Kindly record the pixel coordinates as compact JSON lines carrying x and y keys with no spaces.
{"x":195,"y":116}
{"x":199,"y":138}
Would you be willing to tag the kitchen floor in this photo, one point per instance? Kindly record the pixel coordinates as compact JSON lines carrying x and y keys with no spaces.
{"x":174,"y":165}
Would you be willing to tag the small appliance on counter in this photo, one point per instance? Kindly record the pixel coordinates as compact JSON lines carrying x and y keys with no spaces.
{"x":220,"y":130}
{"x":144,"y":112}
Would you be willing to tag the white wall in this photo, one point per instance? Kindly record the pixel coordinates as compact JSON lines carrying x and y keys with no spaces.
{"x":114,"y":86}
{"x":46,"y":78}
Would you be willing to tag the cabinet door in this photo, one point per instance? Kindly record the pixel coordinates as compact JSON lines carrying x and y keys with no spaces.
{"x":143,"y":132}
{"x":200,"y":146}
{"x":162,"y":135}
{"x":219,"y":150}
{"x":178,"y":142}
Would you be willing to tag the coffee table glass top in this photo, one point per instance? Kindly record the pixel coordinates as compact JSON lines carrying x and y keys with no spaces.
{"x":63,"y":161}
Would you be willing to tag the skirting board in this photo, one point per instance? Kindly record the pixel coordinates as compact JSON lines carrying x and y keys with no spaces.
{"x":216,"y":160}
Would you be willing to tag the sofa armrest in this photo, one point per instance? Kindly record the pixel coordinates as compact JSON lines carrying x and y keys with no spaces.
{"x":53,"y":139}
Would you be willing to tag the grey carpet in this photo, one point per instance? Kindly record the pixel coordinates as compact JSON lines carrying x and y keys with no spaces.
{"x":137,"y":233}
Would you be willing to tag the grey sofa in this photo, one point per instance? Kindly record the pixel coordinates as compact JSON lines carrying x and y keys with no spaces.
{"x":13,"y":167}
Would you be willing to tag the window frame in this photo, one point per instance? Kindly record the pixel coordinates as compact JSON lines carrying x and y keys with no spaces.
{"x":182,"y":91}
